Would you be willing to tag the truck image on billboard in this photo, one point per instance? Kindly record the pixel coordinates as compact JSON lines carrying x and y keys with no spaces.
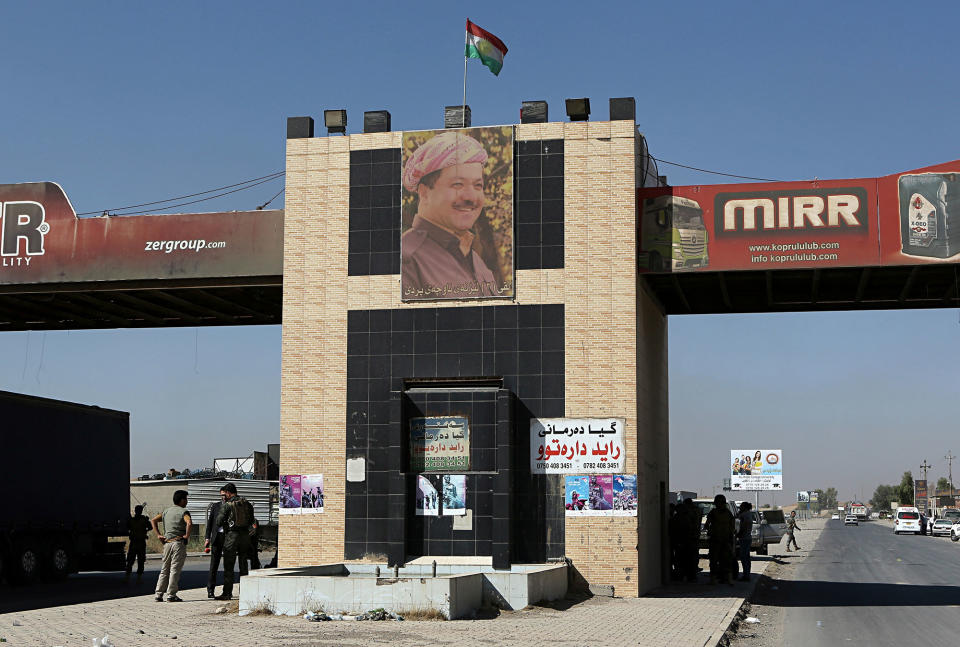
{"x":756,"y":469}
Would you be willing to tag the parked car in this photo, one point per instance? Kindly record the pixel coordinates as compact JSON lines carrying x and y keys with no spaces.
{"x":941,"y":528}
{"x":836,"y":516}
{"x":851,"y":520}
{"x":955,"y":531}
{"x":907,"y":519}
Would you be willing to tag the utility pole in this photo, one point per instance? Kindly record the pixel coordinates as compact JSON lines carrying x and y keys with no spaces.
{"x":925,"y":467}
{"x":950,"y":458}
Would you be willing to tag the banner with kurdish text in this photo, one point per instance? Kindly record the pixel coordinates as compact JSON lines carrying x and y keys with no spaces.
{"x":440,"y":444}
{"x":577,"y":445}
{"x":760,"y":469}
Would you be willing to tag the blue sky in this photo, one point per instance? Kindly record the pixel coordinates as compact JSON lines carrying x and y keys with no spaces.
{"x":124,"y":103}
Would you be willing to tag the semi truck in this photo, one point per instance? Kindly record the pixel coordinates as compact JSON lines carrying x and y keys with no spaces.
{"x":66,"y":487}
{"x":672,"y":235}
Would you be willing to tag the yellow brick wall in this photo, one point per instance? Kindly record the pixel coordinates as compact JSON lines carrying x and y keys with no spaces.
{"x":615,"y":338}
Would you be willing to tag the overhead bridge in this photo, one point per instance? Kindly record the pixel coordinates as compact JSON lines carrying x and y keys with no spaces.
{"x":58,"y":271}
{"x":891,"y":248}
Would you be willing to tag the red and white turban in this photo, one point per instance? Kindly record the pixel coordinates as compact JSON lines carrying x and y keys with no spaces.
{"x":439,"y":152}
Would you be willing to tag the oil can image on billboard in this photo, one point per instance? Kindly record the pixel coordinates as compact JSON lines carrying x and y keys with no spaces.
{"x":673,"y":235}
{"x":930,"y":214}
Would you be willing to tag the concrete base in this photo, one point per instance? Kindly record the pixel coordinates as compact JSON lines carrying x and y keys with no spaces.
{"x":457,"y":591}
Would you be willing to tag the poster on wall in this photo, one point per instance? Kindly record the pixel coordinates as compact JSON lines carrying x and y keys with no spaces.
{"x":311,"y":494}
{"x":589,"y":496}
{"x":454,"y":494}
{"x":457,"y":214}
{"x":577,"y":445}
{"x":760,"y":469}
{"x":625,"y":495}
{"x":440,"y":444}
{"x":428,"y":503}
{"x":290,"y":494}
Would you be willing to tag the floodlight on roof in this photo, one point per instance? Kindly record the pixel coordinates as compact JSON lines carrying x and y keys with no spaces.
{"x":335,"y":121}
{"x":578,"y":109}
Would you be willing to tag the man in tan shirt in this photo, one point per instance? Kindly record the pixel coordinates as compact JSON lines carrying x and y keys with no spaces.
{"x":439,"y":257}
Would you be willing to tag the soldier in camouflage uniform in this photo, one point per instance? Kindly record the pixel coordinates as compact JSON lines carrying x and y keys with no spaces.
{"x":235,"y":517}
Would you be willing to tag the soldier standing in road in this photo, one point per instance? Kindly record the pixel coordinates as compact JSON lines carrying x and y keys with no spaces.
{"x":744,"y":538}
{"x":720,"y":529}
{"x":176,"y":531}
{"x":235,"y":517}
{"x":791,"y":527}
{"x":214,"y":542}
{"x":688,"y":550}
{"x":137,"y":528}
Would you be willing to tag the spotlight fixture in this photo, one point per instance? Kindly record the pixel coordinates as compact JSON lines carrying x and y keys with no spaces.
{"x":533,"y":112}
{"x":376,"y":121}
{"x":456,"y":117}
{"x":335,"y":121}
{"x":299,"y":127}
{"x":623,"y":109}
{"x":578,"y":109}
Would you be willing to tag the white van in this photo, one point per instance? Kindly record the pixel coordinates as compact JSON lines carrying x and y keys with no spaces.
{"x":907,"y":520}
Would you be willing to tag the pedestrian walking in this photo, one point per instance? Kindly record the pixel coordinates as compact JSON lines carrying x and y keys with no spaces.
{"x":744,"y":538}
{"x":214,"y":543}
{"x":176,"y":532}
{"x":720,"y":530}
{"x":791,"y":528}
{"x":137,"y":528}
{"x":235,"y":517}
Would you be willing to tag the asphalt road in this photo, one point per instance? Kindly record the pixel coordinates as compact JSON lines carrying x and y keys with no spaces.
{"x":865,"y":585}
{"x":92,"y":587}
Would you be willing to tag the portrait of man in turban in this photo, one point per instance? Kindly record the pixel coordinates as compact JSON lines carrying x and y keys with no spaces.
{"x":448,"y":250}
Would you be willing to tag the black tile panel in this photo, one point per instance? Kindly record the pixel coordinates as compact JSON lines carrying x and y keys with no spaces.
{"x":374,"y":216}
{"x":538,"y":207}
{"x":523,"y":345}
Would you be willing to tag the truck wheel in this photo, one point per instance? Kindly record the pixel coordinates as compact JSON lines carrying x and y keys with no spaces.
{"x":60,"y":561}
{"x":763,"y":550}
{"x":953,"y":536}
{"x":25,"y":565}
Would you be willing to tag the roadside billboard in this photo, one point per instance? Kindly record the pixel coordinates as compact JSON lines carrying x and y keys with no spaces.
{"x":760,"y":469}
{"x":920,"y":495}
{"x":803,"y":497}
{"x":43,"y":241}
{"x":902,"y":219}
{"x":457,"y":214}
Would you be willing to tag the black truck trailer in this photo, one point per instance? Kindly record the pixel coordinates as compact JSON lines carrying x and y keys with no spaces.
{"x":65,"y":486}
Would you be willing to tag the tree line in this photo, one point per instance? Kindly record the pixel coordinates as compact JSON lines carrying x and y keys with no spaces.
{"x":884,"y":495}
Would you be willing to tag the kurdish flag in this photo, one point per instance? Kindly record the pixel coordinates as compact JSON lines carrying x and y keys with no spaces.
{"x":485,"y":46}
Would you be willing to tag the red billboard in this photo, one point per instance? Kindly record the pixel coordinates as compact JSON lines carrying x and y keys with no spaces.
{"x":902,"y":219}
{"x":43,"y":241}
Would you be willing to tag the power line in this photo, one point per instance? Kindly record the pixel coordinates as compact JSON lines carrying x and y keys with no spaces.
{"x":181,"y":197}
{"x":212,"y":197}
{"x":264,"y":205}
{"x":703,"y":170}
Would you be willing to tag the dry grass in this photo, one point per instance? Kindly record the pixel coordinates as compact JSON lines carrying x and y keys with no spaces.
{"x":422,"y":614}
{"x":262,"y":608}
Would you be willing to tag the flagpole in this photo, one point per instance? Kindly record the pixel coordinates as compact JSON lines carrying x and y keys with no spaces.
{"x":463,"y":106}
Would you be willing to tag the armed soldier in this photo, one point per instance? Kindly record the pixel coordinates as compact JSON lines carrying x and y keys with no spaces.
{"x":236,"y":519}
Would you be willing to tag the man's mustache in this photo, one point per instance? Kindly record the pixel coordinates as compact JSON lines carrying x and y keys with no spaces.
{"x":466,"y":204}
